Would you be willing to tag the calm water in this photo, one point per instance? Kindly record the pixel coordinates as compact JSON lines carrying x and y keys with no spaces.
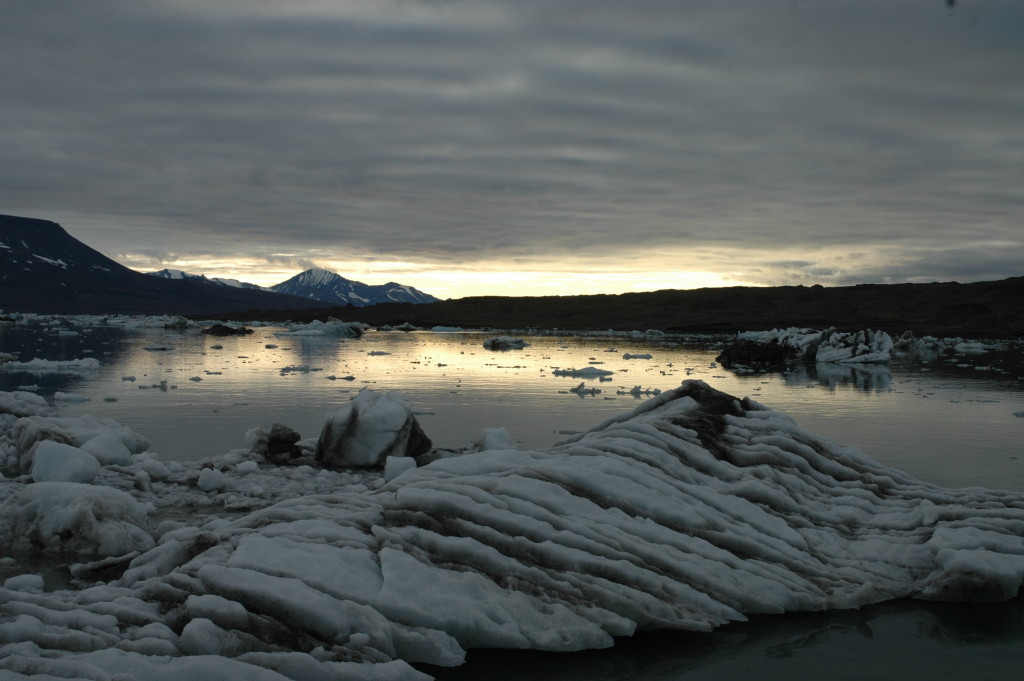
{"x":947,"y":419}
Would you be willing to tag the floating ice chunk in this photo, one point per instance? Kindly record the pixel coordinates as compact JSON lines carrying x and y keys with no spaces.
{"x":586,"y":372}
{"x":505,"y":343}
{"x":582,"y":390}
{"x":43,"y":366}
{"x":61,"y":396}
{"x":777,"y":345}
{"x":644,"y":355}
{"x":332,"y":327}
{"x":493,"y":438}
{"x":58,"y":462}
{"x":638,"y":391}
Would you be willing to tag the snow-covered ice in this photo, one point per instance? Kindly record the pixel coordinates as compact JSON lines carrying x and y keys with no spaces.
{"x":693,"y":510}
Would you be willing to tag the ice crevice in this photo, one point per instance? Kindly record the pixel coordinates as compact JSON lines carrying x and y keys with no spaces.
{"x":694,"y":510}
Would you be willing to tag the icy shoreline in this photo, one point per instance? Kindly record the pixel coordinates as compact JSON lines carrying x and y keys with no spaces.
{"x":694,"y":510}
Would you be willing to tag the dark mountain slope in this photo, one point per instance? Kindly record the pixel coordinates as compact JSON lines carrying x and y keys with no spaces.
{"x":44,"y":269}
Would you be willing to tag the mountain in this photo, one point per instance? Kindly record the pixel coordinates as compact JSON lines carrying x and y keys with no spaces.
{"x":44,"y":269}
{"x":220,"y":281}
{"x":334,"y":289}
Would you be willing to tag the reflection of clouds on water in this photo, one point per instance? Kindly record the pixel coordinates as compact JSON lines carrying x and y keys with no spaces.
{"x":866,"y":377}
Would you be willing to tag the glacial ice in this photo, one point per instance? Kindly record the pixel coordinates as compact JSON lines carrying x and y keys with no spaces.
{"x":830,"y":345}
{"x":693,"y":510}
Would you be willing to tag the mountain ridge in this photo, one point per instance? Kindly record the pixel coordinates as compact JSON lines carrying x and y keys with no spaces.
{"x":44,"y":269}
{"x":987,"y":309}
{"x":321,"y":285}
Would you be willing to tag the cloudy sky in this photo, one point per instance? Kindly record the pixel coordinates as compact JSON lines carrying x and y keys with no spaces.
{"x":520,"y":147}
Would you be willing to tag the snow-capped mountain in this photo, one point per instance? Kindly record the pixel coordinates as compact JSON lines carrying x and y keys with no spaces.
{"x":44,"y":269}
{"x":178,"y":274}
{"x":320,"y":285}
{"x":329,"y":287}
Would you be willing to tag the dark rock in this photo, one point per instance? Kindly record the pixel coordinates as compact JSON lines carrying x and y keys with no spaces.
{"x":278,"y":445}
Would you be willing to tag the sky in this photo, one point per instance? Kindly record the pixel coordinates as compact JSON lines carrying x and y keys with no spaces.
{"x":524,"y":147}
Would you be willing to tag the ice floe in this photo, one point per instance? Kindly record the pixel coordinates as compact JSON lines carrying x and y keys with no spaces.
{"x":505,"y":343}
{"x":822,"y":347}
{"x":693,"y":510}
{"x":585,"y":372}
{"x":332,"y":327}
{"x":44,"y":366}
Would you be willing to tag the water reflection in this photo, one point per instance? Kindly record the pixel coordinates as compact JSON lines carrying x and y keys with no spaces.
{"x":865,"y":377}
{"x":905,"y":640}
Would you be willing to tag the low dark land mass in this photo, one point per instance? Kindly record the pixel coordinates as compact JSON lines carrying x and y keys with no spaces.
{"x":992,"y":309}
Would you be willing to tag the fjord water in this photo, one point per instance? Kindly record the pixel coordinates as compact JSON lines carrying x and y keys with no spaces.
{"x":949,"y":419}
{"x":946,"y":419}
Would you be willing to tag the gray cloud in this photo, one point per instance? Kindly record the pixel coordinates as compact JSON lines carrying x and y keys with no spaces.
{"x":451,"y":132}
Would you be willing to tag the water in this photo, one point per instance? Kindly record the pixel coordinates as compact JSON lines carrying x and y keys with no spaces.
{"x":948,"y":419}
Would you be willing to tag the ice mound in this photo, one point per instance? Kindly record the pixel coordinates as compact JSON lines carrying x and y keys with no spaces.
{"x":105,"y":439}
{"x":58,"y":462}
{"x":694,"y":510}
{"x":22,"y":403}
{"x":71,"y":517}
